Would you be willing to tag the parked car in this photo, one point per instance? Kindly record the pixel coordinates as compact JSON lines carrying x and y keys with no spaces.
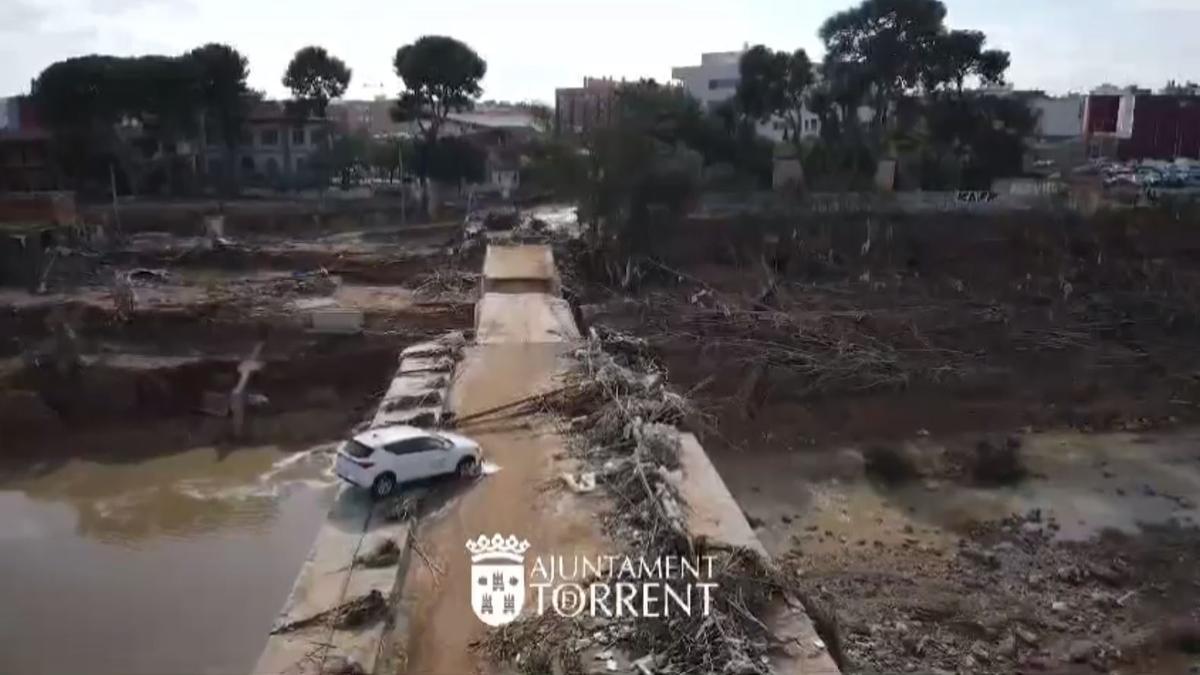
{"x":381,"y":459}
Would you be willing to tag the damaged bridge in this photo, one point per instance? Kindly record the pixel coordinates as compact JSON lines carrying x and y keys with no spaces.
{"x":524,"y":336}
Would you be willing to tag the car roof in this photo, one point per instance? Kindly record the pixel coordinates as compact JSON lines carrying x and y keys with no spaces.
{"x":377,"y":438}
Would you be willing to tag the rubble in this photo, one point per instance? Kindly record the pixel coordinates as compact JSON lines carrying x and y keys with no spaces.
{"x":624,"y":424}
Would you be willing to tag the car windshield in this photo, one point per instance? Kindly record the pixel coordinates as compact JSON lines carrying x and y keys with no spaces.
{"x":356,"y":449}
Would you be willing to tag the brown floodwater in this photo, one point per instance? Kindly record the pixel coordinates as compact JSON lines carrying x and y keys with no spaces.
{"x":176,"y":564}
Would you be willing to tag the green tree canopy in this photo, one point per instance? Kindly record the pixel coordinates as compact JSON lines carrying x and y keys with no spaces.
{"x":315,"y":78}
{"x":890,"y":40}
{"x":775,"y":84}
{"x":221,"y":71}
{"x":441,"y":75}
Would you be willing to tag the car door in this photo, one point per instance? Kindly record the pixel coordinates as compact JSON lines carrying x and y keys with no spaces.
{"x":433,"y":455}
{"x":405,"y":459}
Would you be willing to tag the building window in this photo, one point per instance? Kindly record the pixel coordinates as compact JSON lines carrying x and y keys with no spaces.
{"x":299,"y":164}
{"x":248,"y":163}
{"x":272,"y":166}
{"x":269,"y":137}
{"x":298,"y":136}
{"x":723,"y":83}
{"x":316,"y":136}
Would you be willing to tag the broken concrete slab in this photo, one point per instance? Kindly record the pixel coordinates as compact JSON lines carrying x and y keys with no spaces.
{"x":336,"y":320}
{"x":520,"y":269}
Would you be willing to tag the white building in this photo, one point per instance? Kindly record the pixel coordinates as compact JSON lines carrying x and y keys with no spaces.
{"x":715,"y":81}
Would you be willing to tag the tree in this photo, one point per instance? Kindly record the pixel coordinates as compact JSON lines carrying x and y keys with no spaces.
{"x":315,"y":78}
{"x":774,"y":84}
{"x":441,"y":75}
{"x":958,"y":54}
{"x":75,"y":98}
{"x":890,"y":40}
{"x":221,"y":73}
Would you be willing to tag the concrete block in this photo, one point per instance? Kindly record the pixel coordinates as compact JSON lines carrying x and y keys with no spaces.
{"x":336,"y":320}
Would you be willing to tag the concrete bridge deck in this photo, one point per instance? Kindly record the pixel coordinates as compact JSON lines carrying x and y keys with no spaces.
{"x":523,"y":329}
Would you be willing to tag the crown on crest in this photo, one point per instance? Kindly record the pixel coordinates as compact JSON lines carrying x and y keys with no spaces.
{"x":497,"y":545}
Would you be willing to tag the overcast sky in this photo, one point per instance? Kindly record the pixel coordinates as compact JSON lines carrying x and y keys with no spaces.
{"x":533,"y":47}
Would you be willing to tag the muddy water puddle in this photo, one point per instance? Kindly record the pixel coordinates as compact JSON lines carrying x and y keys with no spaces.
{"x":176,"y":564}
{"x":1083,"y":483}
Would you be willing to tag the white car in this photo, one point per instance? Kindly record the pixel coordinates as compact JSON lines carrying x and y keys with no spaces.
{"x":381,"y":459}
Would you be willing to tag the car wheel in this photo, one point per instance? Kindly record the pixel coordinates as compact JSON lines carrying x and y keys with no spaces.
{"x":383,"y":486}
{"x":468,"y":468}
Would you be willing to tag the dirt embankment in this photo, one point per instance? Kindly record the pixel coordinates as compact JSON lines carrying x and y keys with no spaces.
{"x":857,"y":371}
{"x":128,"y":340}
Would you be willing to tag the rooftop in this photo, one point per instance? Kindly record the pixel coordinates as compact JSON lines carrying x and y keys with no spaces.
{"x":377,"y":438}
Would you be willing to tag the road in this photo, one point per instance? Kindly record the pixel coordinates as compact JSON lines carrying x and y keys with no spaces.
{"x":521,"y":340}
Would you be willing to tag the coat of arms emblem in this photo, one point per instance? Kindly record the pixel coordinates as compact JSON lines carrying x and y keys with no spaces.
{"x":497,"y":578}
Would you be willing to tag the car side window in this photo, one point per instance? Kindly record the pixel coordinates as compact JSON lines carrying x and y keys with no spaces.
{"x":414,"y":445}
{"x":431,"y":443}
{"x":407,"y":447}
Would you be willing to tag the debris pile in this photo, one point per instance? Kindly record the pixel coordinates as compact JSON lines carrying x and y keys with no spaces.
{"x":352,"y":613}
{"x":623,"y":422}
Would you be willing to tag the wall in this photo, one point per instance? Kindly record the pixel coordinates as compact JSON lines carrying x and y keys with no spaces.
{"x":1163,"y":127}
{"x":261,"y":154}
{"x":715,"y":80}
{"x":1059,"y":117}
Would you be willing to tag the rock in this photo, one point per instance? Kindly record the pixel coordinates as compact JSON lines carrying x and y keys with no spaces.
{"x":986,"y":558}
{"x":1080,"y":651}
{"x":1025,"y":635}
{"x":980,"y":652}
{"x":998,"y":462}
{"x":1035,"y":663}
{"x":1031,"y":528}
{"x":755,"y":523}
{"x":1069,"y":574}
{"x":1008,"y":645}
{"x":890,"y":465}
{"x":1058,"y":606}
{"x":849,"y":463}
{"x":1106,"y":573}
{"x":786,"y":518}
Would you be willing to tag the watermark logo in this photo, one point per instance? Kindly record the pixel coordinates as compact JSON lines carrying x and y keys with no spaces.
{"x":602,"y":586}
{"x":497,"y":578}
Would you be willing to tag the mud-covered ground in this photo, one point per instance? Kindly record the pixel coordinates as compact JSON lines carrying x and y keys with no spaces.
{"x":120,"y":470}
{"x":969,"y":438}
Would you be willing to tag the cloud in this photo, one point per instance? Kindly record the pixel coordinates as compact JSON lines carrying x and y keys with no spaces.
{"x":1190,"y":6}
{"x":21,"y":16}
{"x":116,"y":7}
